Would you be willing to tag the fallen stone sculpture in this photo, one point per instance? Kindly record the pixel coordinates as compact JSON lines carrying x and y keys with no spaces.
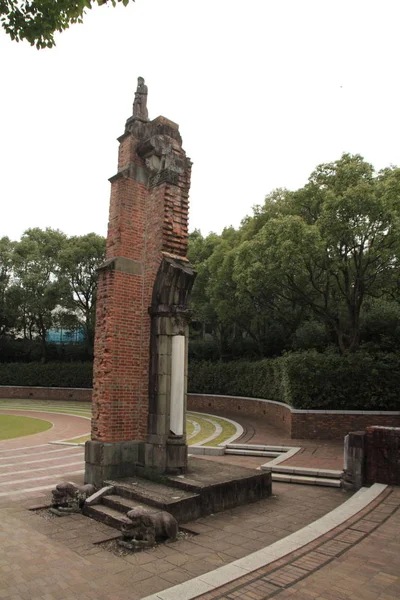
{"x":141,"y":528}
{"x":69,"y":497}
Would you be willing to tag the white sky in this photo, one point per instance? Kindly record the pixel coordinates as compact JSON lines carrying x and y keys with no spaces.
{"x":263,"y":90}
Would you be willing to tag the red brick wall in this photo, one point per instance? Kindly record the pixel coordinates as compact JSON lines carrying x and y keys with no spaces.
{"x":382,"y":450}
{"x":334,"y":426}
{"x":307,"y":425}
{"x":45,"y":393}
{"x":145,"y":220}
{"x":276,"y":413}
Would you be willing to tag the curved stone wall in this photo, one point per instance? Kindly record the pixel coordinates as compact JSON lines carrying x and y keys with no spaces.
{"x":277,"y":413}
{"x":296,"y":424}
{"x":293,"y":423}
{"x":45,"y":393}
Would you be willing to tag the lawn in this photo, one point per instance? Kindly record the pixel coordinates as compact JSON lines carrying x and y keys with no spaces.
{"x":12,"y":426}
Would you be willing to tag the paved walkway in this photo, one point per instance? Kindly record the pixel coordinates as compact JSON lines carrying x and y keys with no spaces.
{"x":61,"y":559}
{"x":333,"y":567}
{"x":32,"y":464}
{"x":316,"y":454}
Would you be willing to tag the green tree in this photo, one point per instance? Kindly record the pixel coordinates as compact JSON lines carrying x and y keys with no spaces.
{"x":334,"y":243}
{"x":37,"y":20}
{"x":37,"y":288}
{"x":7,"y":308}
{"x":79,"y":260}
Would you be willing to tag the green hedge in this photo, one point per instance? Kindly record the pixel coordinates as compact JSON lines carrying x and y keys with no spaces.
{"x":302,"y":379}
{"x":52,"y":374}
{"x":260,"y":379}
{"x":307,"y":380}
{"x":359,"y":381}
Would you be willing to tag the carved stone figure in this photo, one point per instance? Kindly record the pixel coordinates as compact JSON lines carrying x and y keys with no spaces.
{"x":140,"y":103}
{"x":69,"y":497}
{"x":141,"y":527}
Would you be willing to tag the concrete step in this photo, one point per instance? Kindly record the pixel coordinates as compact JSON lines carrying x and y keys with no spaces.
{"x":307,"y":471}
{"x":124,"y":505}
{"x":183,"y":505}
{"x":240,"y":452}
{"x":266,"y":448}
{"x":305,"y":480}
{"x":105,"y":514}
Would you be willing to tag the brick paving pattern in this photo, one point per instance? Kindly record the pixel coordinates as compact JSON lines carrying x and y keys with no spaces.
{"x":60,"y":559}
{"x":299,"y":577}
{"x":31,"y":464}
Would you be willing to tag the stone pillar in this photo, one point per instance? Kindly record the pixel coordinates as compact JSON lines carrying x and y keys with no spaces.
{"x":148,"y":228}
{"x":354,"y":461}
{"x":166,"y":450}
{"x":382,"y":455}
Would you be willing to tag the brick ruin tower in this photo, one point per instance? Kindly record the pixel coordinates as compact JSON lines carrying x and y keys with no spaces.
{"x":140,"y":364}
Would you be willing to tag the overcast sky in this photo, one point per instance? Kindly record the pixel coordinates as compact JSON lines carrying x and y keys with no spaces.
{"x":263,"y":91}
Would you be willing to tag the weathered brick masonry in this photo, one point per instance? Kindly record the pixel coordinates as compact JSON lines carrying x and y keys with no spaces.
{"x":148,"y":219}
{"x":142,"y":306}
{"x":382,"y":451}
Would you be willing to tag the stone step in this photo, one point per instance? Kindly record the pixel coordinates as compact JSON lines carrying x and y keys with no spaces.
{"x":124,"y":505}
{"x":305,"y":480}
{"x":307,"y":471}
{"x":183,"y":505}
{"x":105,"y":514}
{"x":252,"y":452}
{"x":263,"y":447}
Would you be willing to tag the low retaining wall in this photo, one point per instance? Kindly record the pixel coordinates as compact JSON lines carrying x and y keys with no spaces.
{"x":335,"y":424}
{"x":277,"y":413}
{"x":45,"y":393}
{"x":295,"y":424}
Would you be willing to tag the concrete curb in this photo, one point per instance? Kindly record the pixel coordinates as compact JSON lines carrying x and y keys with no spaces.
{"x":238,"y":568}
{"x":284,"y":456}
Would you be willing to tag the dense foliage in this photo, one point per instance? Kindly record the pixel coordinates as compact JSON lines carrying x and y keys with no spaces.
{"x":47,"y":280}
{"x":300,"y":304}
{"x":52,"y":374}
{"x":37,"y":20}
{"x":312,"y":268}
{"x":307,"y":380}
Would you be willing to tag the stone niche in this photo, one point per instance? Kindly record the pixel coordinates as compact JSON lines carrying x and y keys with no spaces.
{"x":166,"y":449}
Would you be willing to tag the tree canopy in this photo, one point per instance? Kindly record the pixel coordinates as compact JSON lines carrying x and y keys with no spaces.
{"x":37,"y":20}
{"x":315,"y":268}
{"x":49,"y":281}
{"x":307,"y":267}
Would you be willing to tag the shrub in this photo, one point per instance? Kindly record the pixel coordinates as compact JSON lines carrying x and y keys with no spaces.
{"x":23,"y":350}
{"x":53,"y":374}
{"x":358,"y":381}
{"x":259,"y":379}
{"x":307,"y":380}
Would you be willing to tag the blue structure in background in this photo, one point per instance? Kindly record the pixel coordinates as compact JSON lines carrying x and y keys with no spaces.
{"x":63,"y":336}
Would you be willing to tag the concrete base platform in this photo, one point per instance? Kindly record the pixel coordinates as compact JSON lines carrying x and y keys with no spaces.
{"x":221,"y":486}
{"x":205,"y":489}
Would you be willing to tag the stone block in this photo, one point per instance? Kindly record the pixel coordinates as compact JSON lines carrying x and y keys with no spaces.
{"x":164,"y":345}
{"x":110,"y":460}
{"x":97,"y":496}
{"x":354,"y":461}
{"x":164,"y":386}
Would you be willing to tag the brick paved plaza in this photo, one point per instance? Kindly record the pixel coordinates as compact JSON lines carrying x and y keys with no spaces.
{"x":60,"y":558}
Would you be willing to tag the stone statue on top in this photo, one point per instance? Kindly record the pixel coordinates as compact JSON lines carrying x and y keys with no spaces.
{"x":140,"y":103}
